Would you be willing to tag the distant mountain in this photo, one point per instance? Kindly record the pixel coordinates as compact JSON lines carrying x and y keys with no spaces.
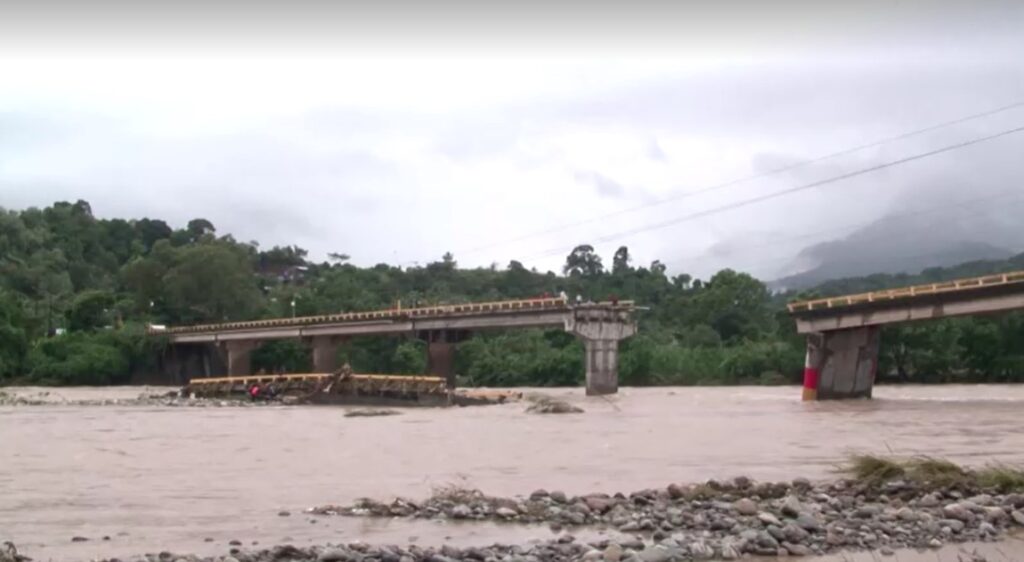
{"x":904,"y":244}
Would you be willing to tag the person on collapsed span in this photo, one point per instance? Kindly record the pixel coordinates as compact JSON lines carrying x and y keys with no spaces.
{"x":255,"y":392}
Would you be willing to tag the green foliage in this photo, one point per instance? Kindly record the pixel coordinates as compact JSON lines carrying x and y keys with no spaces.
{"x":90,"y":310}
{"x":13,"y":339}
{"x":282,"y":356}
{"x":83,"y":358}
{"x":61,"y":267}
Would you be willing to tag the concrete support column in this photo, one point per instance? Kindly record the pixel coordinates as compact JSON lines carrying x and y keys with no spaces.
{"x":239,"y":356}
{"x":441,"y":346}
{"x":602,"y":366}
{"x":325,"y":354}
{"x":441,"y":361}
{"x":601,"y":330}
{"x":841,"y":364}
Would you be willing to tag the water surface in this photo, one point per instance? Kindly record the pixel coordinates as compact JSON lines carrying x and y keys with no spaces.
{"x":155,"y":478}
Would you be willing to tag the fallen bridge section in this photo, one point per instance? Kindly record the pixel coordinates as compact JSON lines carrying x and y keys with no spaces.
{"x":843,"y":337}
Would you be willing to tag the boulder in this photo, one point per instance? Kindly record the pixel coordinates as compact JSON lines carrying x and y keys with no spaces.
{"x":746,"y":506}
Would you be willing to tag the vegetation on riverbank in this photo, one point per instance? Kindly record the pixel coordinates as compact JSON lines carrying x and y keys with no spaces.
{"x":932,"y":473}
{"x":98,"y":281}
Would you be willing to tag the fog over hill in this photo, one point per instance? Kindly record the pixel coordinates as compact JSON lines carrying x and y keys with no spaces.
{"x":909,"y":243}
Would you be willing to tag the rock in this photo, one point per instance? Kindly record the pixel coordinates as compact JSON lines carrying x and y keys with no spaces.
{"x":598,"y":504}
{"x":675,"y":491}
{"x":886,"y":551}
{"x":559,"y":497}
{"x":791,"y":506}
{"x":506,"y":512}
{"x":630,"y":527}
{"x":981,"y":499}
{"x":954,"y":524}
{"x":370,"y":413}
{"x":613,"y":553}
{"x":935,"y":543}
{"x":808,"y":522}
{"x":956,"y":511}
{"x":552,"y":406}
{"x":987,"y":528}
{"x":235,"y":542}
{"x":746,"y":506}
{"x":1018,"y":516}
{"x":539,"y":494}
{"x":797,"y":549}
{"x":768,"y":518}
{"x":79,"y":539}
{"x":730,"y":552}
{"x":867,"y":511}
{"x":592,"y":556}
{"x":906,"y":514}
{"x":658,"y":553}
{"x":741,"y":482}
{"x":284,"y":513}
{"x":767,"y":541}
{"x":929,"y":500}
{"x":701,"y":551}
{"x":462,"y":511}
{"x":994,"y":513}
{"x":794,"y":533}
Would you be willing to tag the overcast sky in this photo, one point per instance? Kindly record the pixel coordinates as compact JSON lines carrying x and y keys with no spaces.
{"x":399,"y":132}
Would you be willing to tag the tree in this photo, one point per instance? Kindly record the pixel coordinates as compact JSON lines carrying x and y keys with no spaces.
{"x":90,"y":310}
{"x":211,"y":282}
{"x":620,"y":262}
{"x":583,"y":262}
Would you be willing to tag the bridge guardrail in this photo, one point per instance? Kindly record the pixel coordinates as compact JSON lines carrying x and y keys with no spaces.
{"x":554,"y":303}
{"x":955,"y":285}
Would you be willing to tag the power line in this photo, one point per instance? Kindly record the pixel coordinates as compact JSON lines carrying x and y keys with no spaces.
{"x":752,"y":177}
{"x":791,"y":190}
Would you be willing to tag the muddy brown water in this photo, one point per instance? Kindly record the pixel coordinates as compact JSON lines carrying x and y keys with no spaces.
{"x":159,"y":478}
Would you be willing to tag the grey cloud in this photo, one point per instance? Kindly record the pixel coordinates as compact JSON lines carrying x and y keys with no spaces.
{"x":655,"y":152}
{"x":603,"y":185}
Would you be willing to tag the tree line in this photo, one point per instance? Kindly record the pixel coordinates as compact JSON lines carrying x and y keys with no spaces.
{"x":76,"y":293}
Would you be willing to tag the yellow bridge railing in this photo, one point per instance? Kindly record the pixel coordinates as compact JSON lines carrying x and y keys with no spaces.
{"x":388,"y":314}
{"x":555,"y":303}
{"x":909,"y":292}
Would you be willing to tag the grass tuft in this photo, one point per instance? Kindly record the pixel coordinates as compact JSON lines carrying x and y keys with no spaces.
{"x":1002,"y":478}
{"x":932,"y":473}
{"x":869,"y":469}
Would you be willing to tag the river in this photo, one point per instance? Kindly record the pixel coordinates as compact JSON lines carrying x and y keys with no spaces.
{"x":156,"y":478}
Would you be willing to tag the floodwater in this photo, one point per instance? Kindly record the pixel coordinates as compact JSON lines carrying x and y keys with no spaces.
{"x":158,"y":478}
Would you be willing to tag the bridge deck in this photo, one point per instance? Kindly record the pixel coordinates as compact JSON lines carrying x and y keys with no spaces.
{"x":394,"y":314}
{"x":907,"y":293}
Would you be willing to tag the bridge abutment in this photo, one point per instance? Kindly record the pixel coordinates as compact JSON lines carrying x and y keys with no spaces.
{"x":239,"y":356}
{"x":841,"y":364}
{"x":601,"y":330}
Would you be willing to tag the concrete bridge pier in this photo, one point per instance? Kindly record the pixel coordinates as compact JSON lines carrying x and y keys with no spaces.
{"x":841,"y":364}
{"x":441,"y":345}
{"x":601,"y":330}
{"x":325,"y":353}
{"x":239,"y":356}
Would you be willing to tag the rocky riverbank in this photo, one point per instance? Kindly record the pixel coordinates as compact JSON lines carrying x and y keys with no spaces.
{"x":169,"y":399}
{"x":729,"y":519}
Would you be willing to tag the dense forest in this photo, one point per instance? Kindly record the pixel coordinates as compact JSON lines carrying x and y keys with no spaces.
{"x":77,"y":291}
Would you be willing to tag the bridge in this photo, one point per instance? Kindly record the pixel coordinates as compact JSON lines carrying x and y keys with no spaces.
{"x":599,"y":325}
{"x":843,"y":332}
